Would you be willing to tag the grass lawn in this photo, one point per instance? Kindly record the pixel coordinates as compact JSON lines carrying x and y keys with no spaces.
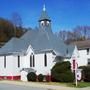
{"x":80,"y":84}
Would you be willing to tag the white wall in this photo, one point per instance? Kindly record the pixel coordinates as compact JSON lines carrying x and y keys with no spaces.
{"x":25,"y":59}
{"x":83,"y":57}
{"x":2,"y":71}
{"x":16,"y":69}
{"x":11,"y":66}
{"x":39,"y":63}
{"x":74,"y":56}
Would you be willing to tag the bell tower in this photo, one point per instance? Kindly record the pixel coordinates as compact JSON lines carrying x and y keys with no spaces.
{"x":44,"y":20}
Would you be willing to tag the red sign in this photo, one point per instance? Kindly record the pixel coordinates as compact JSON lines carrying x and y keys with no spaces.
{"x":74,"y":64}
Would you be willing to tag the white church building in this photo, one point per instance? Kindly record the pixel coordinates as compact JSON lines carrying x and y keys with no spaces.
{"x":84,"y":52}
{"x":36,"y":51}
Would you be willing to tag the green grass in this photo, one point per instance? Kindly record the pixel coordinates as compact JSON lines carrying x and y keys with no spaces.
{"x":79,"y":85}
{"x":82,"y":84}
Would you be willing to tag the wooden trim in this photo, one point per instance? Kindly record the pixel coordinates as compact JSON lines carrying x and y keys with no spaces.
{"x":10,"y":77}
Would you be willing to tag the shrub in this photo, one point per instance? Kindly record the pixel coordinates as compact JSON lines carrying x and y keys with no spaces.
{"x":61,"y":72}
{"x":85,"y":73}
{"x":31,"y":76}
{"x":40,"y":77}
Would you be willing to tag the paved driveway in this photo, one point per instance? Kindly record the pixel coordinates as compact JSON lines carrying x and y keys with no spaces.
{"x":17,"y":87}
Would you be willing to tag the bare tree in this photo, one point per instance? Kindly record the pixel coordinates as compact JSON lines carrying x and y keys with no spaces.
{"x":84,"y":31}
{"x":63,"y":35}
{"x":76,"y":34}
{"x":17,"y":21}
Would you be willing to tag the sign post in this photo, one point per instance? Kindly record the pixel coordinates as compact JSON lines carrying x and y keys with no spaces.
{"x":76,"y":78}
{"x":77,"y":75}
{"x":74,"y":69}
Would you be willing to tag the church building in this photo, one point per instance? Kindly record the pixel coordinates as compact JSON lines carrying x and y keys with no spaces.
{"x":36,"y":51}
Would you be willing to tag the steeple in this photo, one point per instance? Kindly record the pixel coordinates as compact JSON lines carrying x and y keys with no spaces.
{"x":44,"y":20}
{"x":44,"y":15}
{"x":44,"y":8}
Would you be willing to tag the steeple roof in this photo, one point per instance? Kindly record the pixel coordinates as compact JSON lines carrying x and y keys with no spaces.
{"x":44,"y":15}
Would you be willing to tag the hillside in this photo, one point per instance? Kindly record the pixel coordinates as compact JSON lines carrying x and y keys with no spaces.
{"x":8,"y":30}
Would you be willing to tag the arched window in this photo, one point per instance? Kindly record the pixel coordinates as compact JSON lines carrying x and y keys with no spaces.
{"x":67,"y":51}
{"x":18,"y":61}
{"x":88,"y":61}
{"x":87,"y":51}
{"x":32,"y":60}
{"x":48,"y":22}
{"x":42,"y":23}
{"x":45,"y":60}
{"x":4,"y":61}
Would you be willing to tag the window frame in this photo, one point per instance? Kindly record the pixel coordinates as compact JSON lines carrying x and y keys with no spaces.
{"x":18,"y":61}
{"x":45,"y":60}
{"x":88,"y":62}
{"x":88,"y":51}
{"x":32,"y":60}
{"x":5,"y":62}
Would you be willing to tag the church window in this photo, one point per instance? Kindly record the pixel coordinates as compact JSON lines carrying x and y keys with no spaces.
{"x":42,"y":23}
{"x":45,"y":60}
{"x":88,"y":61}
{"x":4,"y":61}
{"x":47,"y":22}
{"x":18,"y":61}
{"x":67,"y":51}
{"x":87,"y":51}
{"x":32,"y":61}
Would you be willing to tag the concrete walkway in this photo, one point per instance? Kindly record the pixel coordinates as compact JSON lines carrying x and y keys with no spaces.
{"x":42,"y":85}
